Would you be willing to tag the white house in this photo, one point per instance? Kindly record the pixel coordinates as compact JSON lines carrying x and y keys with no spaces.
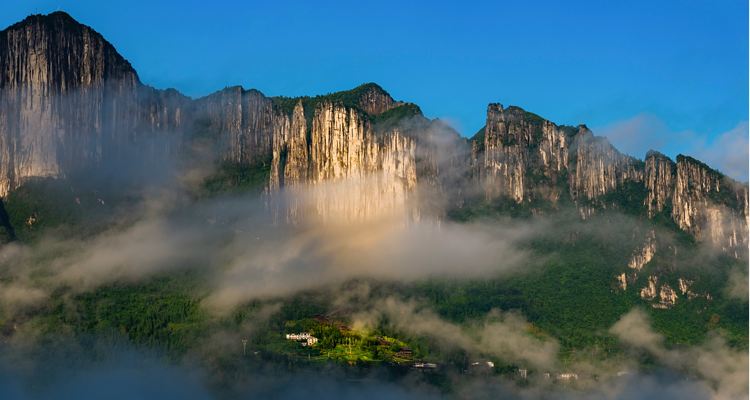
{"x":304,"y":337}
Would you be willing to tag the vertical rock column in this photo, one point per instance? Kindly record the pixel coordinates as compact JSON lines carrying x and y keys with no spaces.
{"x":659,"y":178}
{"x":505,"y":161}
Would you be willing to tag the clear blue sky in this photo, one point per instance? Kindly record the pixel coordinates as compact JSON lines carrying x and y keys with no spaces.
{"x":667,"y":73}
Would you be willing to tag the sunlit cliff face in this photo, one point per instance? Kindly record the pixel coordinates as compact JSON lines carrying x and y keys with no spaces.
{"x":355,"y":175}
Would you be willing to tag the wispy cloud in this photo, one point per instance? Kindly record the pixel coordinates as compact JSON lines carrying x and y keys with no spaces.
{"x":727,"y":152}
{"x":724,"y":370}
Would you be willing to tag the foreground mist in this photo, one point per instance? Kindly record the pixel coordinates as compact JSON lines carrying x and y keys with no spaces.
{"x":129,"y":374}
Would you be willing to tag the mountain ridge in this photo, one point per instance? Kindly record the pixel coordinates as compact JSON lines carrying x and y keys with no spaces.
{"x":137,"y":209}
{"x":59,"y":115}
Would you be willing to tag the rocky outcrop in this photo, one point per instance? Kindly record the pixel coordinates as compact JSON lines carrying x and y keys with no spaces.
{"x":649,"y":292}
{"x":622,"y":281}
{"x":295,"y":168}
{"x":659,"y":179}
{"x":353,"y":174}
{"x":667,"y":298}
{"x":692,"y":185}
{"x":374,"y":101}
{"x":353,"y":170}
{"x":643,"y":255}
{"x":506,"y":156}
{"x":710,"y":206}
{"x":703,"y":202}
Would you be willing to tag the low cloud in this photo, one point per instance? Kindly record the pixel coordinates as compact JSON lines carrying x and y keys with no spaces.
{"x":639,"y":134}
{"x":316,"y":254}
{"x":500,"y":334}
{"x":727,"y":152}
{"x":722,"y":369}
{"x":738,"y":286}
{"x":246,"y":255}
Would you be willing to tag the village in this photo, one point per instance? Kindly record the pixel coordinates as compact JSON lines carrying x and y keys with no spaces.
{"x":334,"y":340}
{"x":340,"y":342}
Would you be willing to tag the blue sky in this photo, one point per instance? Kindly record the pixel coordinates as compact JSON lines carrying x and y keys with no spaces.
{"x":666,"y":75}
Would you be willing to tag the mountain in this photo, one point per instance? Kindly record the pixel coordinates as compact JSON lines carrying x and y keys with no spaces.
{"x":69,"y":101}
{"x":80,"y":134}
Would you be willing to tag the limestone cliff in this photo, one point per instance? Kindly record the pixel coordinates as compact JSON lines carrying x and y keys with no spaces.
{"x":524,"y":155}
{"x":527,"y":157}
{"x":374,"y":101}
{"x":354,"y":170}
{"x":598,"y":167}
{"x":702,"y":201}
{"x":659,"y":177}
{"x":710,"y":206}
{"x":68,"y":101}
{"x":242,"y":122}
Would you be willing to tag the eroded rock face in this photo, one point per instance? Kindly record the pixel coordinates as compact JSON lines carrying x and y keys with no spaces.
{"x":375,"y":102}
{"x":527,"y":157}
{"x":667,"y":297}
{"x":348,"y":171}
{"x":622,"y":281}
{"x":295,"y":168}
{"x":69,"y":101}
{"x":599,"y":167}
{"x":354,"y":174}
{"x":243,"y":123}
{"x":703,"y":202}
{"x":659,"y":178}
{"x":643,"y":255}
{"x":698,"y":209}
{"x":516,"y":141}
{"x":649,"y":292}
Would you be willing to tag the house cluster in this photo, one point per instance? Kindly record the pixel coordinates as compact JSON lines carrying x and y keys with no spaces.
{"x":565,"y":376}
{"x":424,"y":366}
{"x":304,"y":337}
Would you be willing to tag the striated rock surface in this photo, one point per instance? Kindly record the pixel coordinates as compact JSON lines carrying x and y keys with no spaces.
{"x":353,"y":170}
{"x":515,"y":142}
{"x":667,"y":298}
{"x":69,"y":101}
{"x":527,"y":157}
{"x":659,"y":178}
{"x":710,"y":206}
{"x":295,"y":168}
{"x":242,"y":122}
{"x":702,"y":201}
{"x":598,"y":166}
{"x":649,"y":292}
{"x":643,"y":255}
{"x":374,"y":101}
